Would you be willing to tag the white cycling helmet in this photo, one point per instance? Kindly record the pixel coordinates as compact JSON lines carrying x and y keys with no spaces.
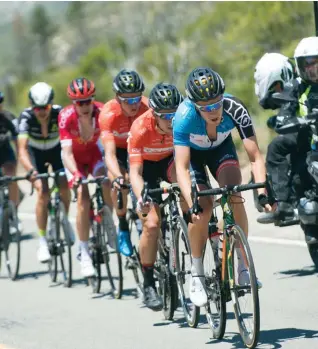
{"x":306,"y":58}
{"x":271,"y":68}
{"x":41,"y":94}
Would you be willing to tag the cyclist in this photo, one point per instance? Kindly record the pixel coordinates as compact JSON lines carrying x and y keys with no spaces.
{"x":150,"y":148}
{"x":39,"y":144}
{"x":272,"y":73}
{"x":79,"y":132}
{"x":202,"y":137}
{"x":115,"y":121}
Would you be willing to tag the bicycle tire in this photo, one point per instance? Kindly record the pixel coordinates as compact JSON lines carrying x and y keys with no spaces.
{"x":107,"y":252}
{"x":215,"y":291}
{"x":13,"y":274}
{"x":191,"y":315}
{"x":168,"y":288}
{"x":65,"y":246}
{"x":52,"y":243}
{"x":96,"y":280}
{"x":249,"y":341}
{"x":313,"y":252}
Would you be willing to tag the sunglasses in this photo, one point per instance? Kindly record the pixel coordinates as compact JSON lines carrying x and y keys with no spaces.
{"x":210,"y":107}
{"x":165,"y":116}
{"x":82,"y":102}
{"x":44,"y":107}
{"x":130,"y":100}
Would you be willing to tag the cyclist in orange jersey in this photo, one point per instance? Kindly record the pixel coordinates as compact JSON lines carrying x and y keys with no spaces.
{"x":115,"y":121}
{"x":150,"y":148}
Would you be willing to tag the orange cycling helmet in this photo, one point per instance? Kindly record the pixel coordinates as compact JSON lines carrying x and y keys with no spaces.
{"x":81,"y":88}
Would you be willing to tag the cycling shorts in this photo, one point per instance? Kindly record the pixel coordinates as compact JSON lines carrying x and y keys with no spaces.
{"x":40,"y":158}
{"x":7,"y":154}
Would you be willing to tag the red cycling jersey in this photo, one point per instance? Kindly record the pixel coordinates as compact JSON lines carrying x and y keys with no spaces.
{"x":146,"y":143}
{"x":70,"y":134}
{"x":115,"y":125}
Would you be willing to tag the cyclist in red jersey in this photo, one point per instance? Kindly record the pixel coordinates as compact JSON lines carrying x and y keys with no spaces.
{"x":79,"y":134}
{"x":150,"y":148}
{"x":115,"y":121}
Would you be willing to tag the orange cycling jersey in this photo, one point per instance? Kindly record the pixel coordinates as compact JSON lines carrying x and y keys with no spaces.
{"x":146,"y":143}
{"x":115,"y":125}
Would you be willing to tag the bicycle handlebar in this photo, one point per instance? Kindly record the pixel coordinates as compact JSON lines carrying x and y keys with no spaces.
{"x":231,"y":188}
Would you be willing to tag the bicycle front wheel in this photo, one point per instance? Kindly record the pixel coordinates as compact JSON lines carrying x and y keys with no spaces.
{"x":216,"y":307}
{"x":243,"y":291}
{"x":11,"y":239}
{"x":111,"y":256}
{"x":183,"y":266}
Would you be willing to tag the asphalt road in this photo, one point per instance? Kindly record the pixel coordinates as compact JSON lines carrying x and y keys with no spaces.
{"x":34,"y":314}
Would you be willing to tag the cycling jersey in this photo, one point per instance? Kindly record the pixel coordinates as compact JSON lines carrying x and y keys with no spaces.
{"x":87,"y":154}
{"x":146,"y":143}
{"x":189,"y":128}
{"x":30,"y":127}
{"x":7,"y":130}
{"x":115,"y":125}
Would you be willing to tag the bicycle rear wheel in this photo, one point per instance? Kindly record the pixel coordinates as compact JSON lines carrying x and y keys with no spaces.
{"x":13,"y":250}
{"x":64,"y":246}
{"x":95,"y":243}
{"x":111,"y":257}
{"x":183,"y":266}
{"x":216,"y":307}
{"x":248,"y":320}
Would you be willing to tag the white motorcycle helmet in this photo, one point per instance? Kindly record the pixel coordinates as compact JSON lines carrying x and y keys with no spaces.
{"x":270,"y":69}
{"x":306,"y":58}
{"x":41,"y":94}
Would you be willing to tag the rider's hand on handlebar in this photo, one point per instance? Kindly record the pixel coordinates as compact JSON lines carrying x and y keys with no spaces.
{"x":118,"y":182}
{"x":194,"y":217}
{"x":33,"y":174}
{"x":76,"y":180}
{"x":144,"y":207}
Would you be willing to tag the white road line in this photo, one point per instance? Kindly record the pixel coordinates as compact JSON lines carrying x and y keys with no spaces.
{"x":259,"y":239}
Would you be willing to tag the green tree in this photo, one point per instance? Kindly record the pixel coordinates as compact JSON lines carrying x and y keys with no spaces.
{"x":43,"y":29}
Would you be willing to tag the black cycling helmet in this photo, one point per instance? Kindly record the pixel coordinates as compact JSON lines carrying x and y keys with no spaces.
{"x":164,"y":96}
{"x":1,"y":97}
{"x":128,"y":81}
{"x":204,"y":84}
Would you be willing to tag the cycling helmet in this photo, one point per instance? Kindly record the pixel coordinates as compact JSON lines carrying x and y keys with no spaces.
{"x":128,"y":81}
{"x":41,"y":94}
{"x":1,"y":97}
{"x":270,"y":69}
{"x":204,"y":84}
{"x":306,"y":58}
{"x":164,"y":97}
{"x":81,"y":88}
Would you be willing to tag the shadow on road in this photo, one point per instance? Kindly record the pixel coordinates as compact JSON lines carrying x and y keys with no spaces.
{"x":27,"y":236}
{"x":32,"y":275}
{"x":306,"y":271}
{"x":270,"y":339}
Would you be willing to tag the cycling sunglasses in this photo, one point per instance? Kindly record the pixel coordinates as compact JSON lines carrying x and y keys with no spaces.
{"x":81,"y":102}
{"x":210,"y":107}
{"x":44,"y":107}
{"x":130,"y":100}
{"x":165,"y":116}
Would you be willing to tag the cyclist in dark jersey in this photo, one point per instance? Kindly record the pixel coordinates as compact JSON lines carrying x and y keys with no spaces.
{"x":39,"y":145}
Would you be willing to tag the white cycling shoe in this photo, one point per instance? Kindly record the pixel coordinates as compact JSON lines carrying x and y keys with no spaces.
{"x":87,"y":268}
{"x":43,"y":252}
{"x":198,"y":295}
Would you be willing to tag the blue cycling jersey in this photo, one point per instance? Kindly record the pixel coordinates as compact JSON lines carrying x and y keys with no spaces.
{"x":189,"y":128}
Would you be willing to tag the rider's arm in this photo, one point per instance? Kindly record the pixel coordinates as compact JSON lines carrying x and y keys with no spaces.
{"x":23,"y":140}
{"x":66,"y":144}
{"x":182,"y":161}
{"x":256,"y":160}
{"x":106,"y":123}
{"x":136,"y":141}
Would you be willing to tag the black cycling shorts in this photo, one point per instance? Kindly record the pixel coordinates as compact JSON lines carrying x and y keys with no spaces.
{"x":7,"y":154}
{"x":215,"y":159}
{"x":122,"y":158}
{"x":52,"y":156}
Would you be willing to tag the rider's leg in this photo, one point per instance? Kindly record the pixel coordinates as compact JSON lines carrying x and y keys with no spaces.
{"x":41,"y":211}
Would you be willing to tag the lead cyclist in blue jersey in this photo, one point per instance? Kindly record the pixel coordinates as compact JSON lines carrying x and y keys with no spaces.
{"x":202,"y":138}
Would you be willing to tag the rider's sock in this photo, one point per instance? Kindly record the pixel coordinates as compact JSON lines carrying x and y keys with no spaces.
{"x":123,"y":224}
{"x":197,"y":266}
{"x":42,"y":233}
{"x":42,"y":240}
{"x":84,"y":247}
{"x":148,"y":275}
